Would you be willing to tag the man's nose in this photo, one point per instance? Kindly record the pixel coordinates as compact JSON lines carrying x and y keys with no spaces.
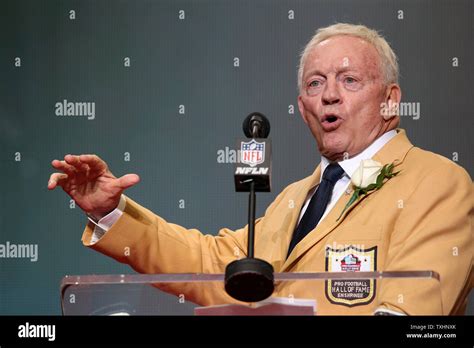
{"x":331,"y":93}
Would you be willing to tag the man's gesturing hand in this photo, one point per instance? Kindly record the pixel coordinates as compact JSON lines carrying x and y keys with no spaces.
{"x":88,"y":180}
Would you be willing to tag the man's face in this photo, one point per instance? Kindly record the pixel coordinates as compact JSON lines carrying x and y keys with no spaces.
{"x":342,"y":90}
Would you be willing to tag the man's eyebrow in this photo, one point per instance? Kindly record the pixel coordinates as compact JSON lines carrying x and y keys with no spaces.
{"x":339,"y":70}
{"x":346,"y":69}
{"x":315,"y":72}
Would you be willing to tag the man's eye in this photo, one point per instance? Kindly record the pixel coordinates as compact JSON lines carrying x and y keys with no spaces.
{"x":314,"y":83}
{"x":350,"y":80}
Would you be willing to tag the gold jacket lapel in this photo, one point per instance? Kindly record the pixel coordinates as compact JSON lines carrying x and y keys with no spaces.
{"x":299,"y":200}
{"x":394,"y":151}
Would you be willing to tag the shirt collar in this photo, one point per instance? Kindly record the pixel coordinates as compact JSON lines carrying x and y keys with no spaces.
{"x":350,"y":165}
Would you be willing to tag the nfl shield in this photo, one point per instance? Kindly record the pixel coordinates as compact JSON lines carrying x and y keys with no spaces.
{"x":252,"y":152}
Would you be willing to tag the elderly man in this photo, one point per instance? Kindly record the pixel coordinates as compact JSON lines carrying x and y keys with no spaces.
{"x":375,"y":202}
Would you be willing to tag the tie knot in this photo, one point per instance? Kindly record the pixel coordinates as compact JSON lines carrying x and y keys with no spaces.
{"x":333,"y":173}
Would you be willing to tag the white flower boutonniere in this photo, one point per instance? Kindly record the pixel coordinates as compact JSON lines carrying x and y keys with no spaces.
{"x":369,"y":176}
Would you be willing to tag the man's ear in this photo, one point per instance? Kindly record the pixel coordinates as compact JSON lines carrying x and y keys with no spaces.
{"x":393,"y":95}
{"x":302,"y":109}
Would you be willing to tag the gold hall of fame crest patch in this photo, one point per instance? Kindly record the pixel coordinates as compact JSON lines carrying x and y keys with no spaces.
{"x":348,"y":292}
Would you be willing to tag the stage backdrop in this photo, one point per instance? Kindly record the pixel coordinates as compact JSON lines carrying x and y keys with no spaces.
{"x":160,"y":88}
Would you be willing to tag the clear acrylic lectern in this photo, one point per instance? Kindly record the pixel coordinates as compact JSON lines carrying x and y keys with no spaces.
{"x":201,"y":294}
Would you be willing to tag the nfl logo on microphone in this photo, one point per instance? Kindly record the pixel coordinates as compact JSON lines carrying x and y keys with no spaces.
{"x":252,"y":152}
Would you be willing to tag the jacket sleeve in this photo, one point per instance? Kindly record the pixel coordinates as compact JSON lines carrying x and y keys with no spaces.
{"x":434,"y":231}
{"x":149,"y":244}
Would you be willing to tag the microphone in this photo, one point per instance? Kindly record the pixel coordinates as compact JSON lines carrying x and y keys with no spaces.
{"x":256,"y":125}
{"x":252,"y":279}
{"x":254,"y":164}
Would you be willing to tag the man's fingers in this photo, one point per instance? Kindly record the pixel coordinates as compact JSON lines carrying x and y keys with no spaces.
{"x":128,"y":180}
{"x":94,"y":162}
{"x":55,"y":179}
{"x":62,"y":165}
{"x":76,"y":163}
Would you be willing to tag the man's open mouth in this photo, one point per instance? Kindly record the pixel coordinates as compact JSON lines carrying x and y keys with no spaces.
{"x":330,"y":122}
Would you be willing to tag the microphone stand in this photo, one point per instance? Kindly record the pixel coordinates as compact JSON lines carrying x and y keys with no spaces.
{"x":250,"y":279}
{"x":251,"y":221}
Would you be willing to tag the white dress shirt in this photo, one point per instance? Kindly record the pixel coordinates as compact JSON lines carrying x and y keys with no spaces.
{"x":349,"y":166}
{"x":107,"y":221}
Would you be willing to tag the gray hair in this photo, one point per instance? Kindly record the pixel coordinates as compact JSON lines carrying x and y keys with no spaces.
{"x":388,"y":59}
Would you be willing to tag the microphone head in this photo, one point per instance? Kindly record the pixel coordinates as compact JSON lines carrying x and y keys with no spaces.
{"x":256,"y":125}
